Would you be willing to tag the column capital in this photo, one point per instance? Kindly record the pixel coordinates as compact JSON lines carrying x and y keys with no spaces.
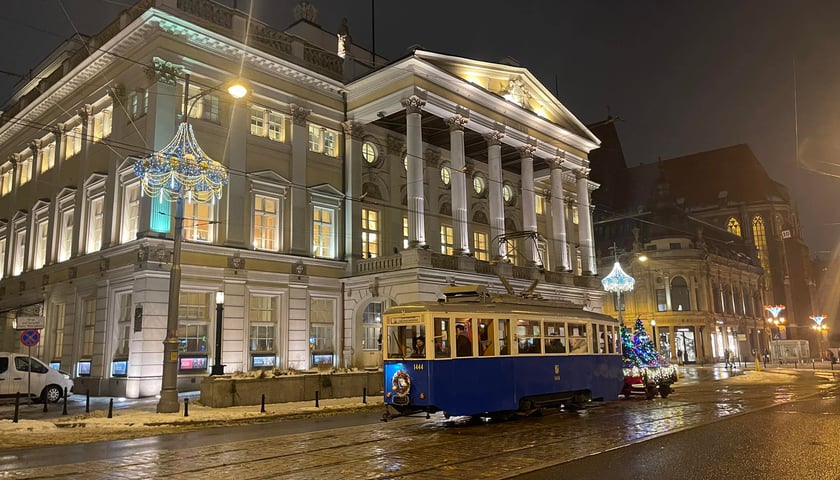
{"x":527,"y":150}
{"x":581,"y":173}
{"x":34,"y":145}
{"x":354,"y":129}
{"x":14,"y":158}
{"x":85,"y":112}
{"x":58,"y":130}
{"x":165,"y":72}
{"x":456,"y":122}
{"x":413,"y":104}
{"x":117,"y":93}
{"x":556,"y":163}
{"x":493,"y":137}
{"x":299,"y":114}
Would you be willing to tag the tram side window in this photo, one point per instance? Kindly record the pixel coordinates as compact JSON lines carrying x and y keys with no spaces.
{"x":443,"y":347}
{"x":612,"y":339}
{"x":577,"y":338}
{"x":555,"y":337}
{"x":598,"y":338}
{"x":504,"y":336}
{"x":401,"y":340}
{"x":465,"y":337}
{"x":528,"y":332}
{"x":486,"y":335}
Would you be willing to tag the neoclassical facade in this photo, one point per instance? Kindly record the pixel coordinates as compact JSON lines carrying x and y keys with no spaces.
{"x":354,"y":185}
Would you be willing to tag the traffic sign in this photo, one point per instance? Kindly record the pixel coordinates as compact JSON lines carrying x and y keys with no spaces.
{"x":26,"y":322}
{"x":30,"y":337}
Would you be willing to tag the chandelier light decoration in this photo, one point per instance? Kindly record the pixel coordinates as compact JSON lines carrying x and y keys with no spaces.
{"x":618,"y":281}
{"x":181,"y":169}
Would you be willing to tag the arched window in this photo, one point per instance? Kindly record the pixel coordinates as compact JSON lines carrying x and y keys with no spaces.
{"x":760,"y":238}
{"x":680,"y":301}
{"x":733,"y":226}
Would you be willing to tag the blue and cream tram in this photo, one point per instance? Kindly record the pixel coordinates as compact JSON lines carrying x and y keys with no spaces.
{"x":476,"y":354}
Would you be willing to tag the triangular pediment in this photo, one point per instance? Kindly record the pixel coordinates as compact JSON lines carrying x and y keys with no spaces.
{"x":513,"y":83}
{"x":269,"y":177}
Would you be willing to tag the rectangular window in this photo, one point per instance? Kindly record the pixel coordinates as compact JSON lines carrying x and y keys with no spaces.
{"x":323,"y":140}
{"x":261,"y":315}
{"x":125,"y":316}
{"x":266,"y":223}
{"x":41,"y":230}
{"x":265,"y":123}
{"x":193,"y":324}
{"x":7,"y":181}
{"x":205,"y":107}
{"x":65,"y":235}
{"x":198,"y":222}
{"x":2,"y":257}
{"x":372,"y":326}
{"x":370,"y":233}
{"x":19,"y":252}
{"x":25,"y":168}
{"x":57,"y":343}
{"x":102,"y":124}
{"x":321,"y":312}
{"x":131,"y":212}
{"x":512,"y":252}
{"x":447,"y":240}
{"x":540,"y":204}
{"x":323,"y":230}
{"x":96,"y":212}
{"x":661,"y":304}
{"x":480,"y":246}
{"x":575,"y":218}
{"x":46,"y":157}
{"x":138,"y":103}
{"x":88,"y":328}
{"x":73,"y":142}
{"x":405,"y":233}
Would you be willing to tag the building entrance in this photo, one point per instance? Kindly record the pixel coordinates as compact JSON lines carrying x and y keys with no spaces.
{"x":684,"y":342}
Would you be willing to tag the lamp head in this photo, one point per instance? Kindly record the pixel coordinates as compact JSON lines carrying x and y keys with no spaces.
{"x":237,"y":90}
{"x":220,"y":298}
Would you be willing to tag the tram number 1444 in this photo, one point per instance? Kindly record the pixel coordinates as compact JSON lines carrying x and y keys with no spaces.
{"x":418,"y":366}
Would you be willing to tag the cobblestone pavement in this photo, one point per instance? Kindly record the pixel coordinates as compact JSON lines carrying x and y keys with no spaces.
{"x":415,"y":448}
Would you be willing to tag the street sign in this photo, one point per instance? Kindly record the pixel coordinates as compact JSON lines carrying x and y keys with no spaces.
{"x":26,"y":322}
{"x":30,"y":337}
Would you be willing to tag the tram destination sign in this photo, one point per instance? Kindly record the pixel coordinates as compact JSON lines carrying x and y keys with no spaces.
{"x":26,"y":322}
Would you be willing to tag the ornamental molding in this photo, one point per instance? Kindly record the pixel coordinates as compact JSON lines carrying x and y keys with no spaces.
{"x":457,"y":122}
{"x":355,"y":129}
{"x":164,"y":72}
{"x":494,"y":137}
{"x":527,"y":151}
{"x":299,"y":114}
{"x":413,"y":104}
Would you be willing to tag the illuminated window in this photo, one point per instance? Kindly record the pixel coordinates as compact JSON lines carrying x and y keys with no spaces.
{"x":138,"y":103}
{"x":266,"y":223}
{"x":40,"y":257}
{"x":323,"y":232}
{"x":445,"y":174}
{"x":733,"y":226}
{"x":321,"y":330}
{"x":261,"y":314}
{"x":447,"y":240}
{"x":480,"y":246}
{"x":372,"y":326}
{"x":540,"y":204}
{"x":19,"y":251}
{"x":73,"y":142}
{"x":6,"y":178}
{"x":198,"y":221}
{"x":2,"y":257}
{"x":131,"y":212}
{"x":193,"y":323}
{"x":25,"y":169}
{"x":89,"y":313}
{"x":102,"y":123}
{"x":323,"y":140}
{"x":512,"y":253}
{"x":46,"y":157}
{"x":369,"y":152}
{"x":508,"y":195}
{"x":575,"y":217}
{"x":479,"y":184}
{"x":96,"y":212}
{"x":370,"y":233}
{"x":405,"y":232}
{"x":56,"y":325}
{"x":760,"y":237}
{"x":124,"y":317}
{"x":65,"y":234}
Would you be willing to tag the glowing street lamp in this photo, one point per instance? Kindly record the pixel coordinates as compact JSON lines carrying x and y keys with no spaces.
{"x":776,"y":320}
{"x":617,"y":282}
{"x":820,"y":328}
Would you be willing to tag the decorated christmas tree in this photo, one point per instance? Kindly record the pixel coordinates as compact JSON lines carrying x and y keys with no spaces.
{"x":641,"y":360}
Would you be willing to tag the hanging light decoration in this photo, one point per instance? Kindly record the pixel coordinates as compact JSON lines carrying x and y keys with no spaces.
{"x":182,"y":169}
{"x":618,"y":281}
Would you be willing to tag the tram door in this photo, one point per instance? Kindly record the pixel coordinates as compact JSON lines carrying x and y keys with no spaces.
{"x":685,"y":344}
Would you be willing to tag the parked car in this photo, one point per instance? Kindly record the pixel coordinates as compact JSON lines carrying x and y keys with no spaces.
{"x":23,"y":374}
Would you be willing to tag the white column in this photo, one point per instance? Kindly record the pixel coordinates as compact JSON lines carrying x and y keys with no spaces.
{"x":414,"y":186}
{"x":300,"y":222}
{"x":587,"y":249}
{"x":353,"y":134}
{"x":558,"y":216}
{"x":494,"y":188}
{"x":459,"y":184}
{"x":529,"y":208}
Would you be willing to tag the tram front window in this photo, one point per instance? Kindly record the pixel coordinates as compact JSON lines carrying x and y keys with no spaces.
{"x":403,"y":341}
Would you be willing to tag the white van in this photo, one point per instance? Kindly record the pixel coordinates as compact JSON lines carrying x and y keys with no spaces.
{"x":20,"y":373}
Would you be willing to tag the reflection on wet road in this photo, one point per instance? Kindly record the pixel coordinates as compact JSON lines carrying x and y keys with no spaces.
{"x":415,"y":448}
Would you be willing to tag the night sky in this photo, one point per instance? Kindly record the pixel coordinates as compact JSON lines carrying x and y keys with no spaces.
{"x":683,"y":76}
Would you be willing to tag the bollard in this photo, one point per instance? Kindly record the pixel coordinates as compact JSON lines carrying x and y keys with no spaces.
{"x":364,"y":395}
{"x":87,"y":402}
{"x":17,"y":407}
{"x":316,"y":398}
{"x":64,"y":411}
{"x":45,"y":404}
{"x":262,"y":404}
{"x":186,"y":407}
{"x":111,"y":409}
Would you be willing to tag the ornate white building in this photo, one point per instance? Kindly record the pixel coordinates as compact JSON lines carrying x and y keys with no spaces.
{"x":352,"y":188}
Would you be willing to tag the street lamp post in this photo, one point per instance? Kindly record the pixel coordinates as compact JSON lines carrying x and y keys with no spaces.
{"x":218,"y":368}
{"x":617,"y":282}
{"x":820,"y":329}
{"x":775,"y":319}
{"x":180,"y":171}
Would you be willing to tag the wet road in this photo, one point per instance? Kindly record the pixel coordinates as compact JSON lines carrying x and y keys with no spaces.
{"x":680,"y":428}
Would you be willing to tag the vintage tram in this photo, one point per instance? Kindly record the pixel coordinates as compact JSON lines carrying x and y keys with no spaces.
{"x":476,"y":354}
